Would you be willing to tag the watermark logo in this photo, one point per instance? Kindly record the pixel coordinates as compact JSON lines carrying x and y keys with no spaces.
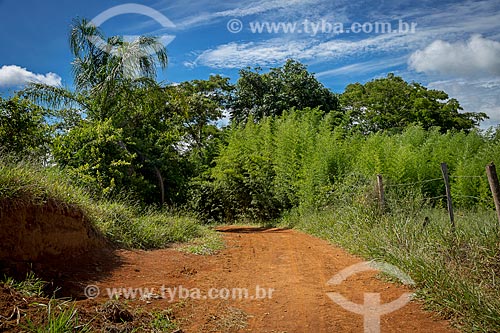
{"x":130,"y":8}
{"x":371,"y":309}
{"x":91,"y":291}
{"x":234,"y":26}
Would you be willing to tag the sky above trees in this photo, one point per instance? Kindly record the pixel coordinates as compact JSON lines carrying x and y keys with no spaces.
{"x":455,"y":45}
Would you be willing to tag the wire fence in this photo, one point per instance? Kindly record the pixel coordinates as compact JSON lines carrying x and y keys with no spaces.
{"x":490,"y":176}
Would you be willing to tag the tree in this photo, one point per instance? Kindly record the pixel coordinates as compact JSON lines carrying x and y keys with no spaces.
{"x":115,"y":93}
{"x":95,"y":153}
{"x":102,"y":72}
{"x":198,"y":106}
{"x":392,"y":104}
{"x":283,"y":88}
{"x":23,"y":128}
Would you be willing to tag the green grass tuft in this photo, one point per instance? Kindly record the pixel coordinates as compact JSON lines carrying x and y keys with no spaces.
{"x":29,"y":287}
{"x":210,"y":242}
{"x":61,"y":318}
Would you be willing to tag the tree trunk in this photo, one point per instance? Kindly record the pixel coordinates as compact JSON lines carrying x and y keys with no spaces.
{"x":161,"y":185}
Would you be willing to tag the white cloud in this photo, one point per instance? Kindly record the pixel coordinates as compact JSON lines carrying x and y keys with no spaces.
{"x":479,"y":95}
{"x":364,"y":67}
{"x":15,"y":76}
{"x":474,"y":58}
{"x":277,"y":50}
{"x":238,"y":55}
{"x":210,"y":12}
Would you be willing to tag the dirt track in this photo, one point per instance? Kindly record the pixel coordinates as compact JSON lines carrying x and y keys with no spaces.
{"x":296,"y":266}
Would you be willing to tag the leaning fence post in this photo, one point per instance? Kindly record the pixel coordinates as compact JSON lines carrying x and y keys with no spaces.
{"x":444,"y":170}
{"x":491,"y":171}
{"x":380,"y":190}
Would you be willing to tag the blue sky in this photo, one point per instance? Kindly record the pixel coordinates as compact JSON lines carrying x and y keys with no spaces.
{"x":455,"y":45}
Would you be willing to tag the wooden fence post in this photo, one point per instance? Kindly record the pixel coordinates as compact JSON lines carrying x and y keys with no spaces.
{"x":380,"y":190}
{"x":444,"y":170}
{"x":491,"y":171}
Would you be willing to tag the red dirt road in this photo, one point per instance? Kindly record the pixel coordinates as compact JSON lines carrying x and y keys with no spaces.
{"x":296,"y":266}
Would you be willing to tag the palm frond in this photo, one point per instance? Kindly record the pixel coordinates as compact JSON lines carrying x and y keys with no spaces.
{"x":54,"y":97}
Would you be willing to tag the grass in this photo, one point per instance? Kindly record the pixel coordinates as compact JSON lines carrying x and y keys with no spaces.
{"x":37,"y":313}
{"x":456,"y":274}
{"x":124,"y":223}
{"x":210,"y":242}
{"x":59,"y":316}
{"x":23,"y":184}
{"x":145,"y":229}
{"x":31,"y":286}
{"x":163,"y":321}
{"x":62,"y":317}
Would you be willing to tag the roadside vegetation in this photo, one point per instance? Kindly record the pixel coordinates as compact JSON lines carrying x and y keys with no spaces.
{"x":123,"y":222}
{"x":456,"y":274}
{"x":298,"y":172}
{"x":33,"y":310}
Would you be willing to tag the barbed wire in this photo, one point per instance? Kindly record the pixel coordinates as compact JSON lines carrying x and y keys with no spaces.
{"x":432,"y":198}
{"x":468,"y":177}
{"x":430,"y":180}
{"x":414,"y":183}
{"x":467,"y":196}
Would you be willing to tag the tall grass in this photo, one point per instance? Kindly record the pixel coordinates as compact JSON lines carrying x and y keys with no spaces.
{"x":124,"y":223}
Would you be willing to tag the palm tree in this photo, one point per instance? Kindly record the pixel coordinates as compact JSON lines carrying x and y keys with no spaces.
{"x":106,"y":72}
{"x":102,"y":70}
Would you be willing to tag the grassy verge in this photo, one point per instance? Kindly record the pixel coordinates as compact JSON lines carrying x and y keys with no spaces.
{"x":123,"y":223}
{"x":456,"y":274}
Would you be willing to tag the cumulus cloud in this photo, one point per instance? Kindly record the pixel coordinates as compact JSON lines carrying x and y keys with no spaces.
{"x":476,"y":57}
{"x":15,"y":76}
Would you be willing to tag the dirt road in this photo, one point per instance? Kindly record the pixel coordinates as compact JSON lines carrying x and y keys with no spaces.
{"x":290,"y":268}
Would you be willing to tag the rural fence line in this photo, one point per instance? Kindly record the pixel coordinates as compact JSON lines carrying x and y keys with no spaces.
{"x":491,"y":175}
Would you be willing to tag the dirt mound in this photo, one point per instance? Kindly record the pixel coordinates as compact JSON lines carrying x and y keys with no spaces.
{"x":37,"y":234}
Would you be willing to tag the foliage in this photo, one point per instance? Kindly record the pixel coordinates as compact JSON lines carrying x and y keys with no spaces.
{"x":197,"y":106}
{"x":393,"y":104}
{"x":92,"y":153}
{"x":61,"y":318}
{"x":116,"y":104}
{"x":30,"y":286}
{"x":24,"y":130}
{"x":297,"y":160}
{"x":270,"y":94}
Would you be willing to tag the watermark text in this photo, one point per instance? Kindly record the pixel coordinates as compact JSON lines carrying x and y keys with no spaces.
{"x":314,"y":28}
{"x":172,"y":294}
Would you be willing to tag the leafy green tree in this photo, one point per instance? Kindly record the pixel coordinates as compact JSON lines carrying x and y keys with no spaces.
{"x":283,"y":88}
{"x":97,"y":154}
{"x":393,"y":104}
{"x":23,"y":128}
{"x":198,"y":106}
{"x":114,"y":88}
